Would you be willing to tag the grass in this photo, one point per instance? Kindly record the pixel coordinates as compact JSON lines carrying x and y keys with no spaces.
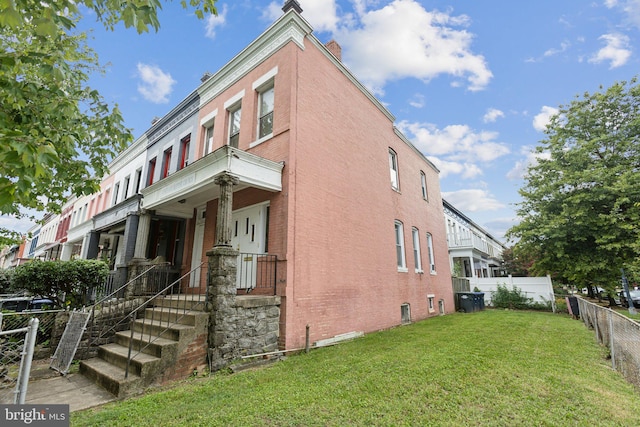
{"x":493,"y":368}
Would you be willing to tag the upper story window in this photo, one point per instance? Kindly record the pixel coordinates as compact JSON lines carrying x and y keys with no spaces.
{"x":208,"y":139}
{"x":185,"y":144}
{"x":126,"y":187}
{"x":432,"y":259}
{"x":416,"y":249}
{"x":234,"y":126}
{"x":423,"y":183}
{"x":116,"y":190}
{"x":393,"y":169}
{"x":151,"y":170}
{"x":265,"y":112}
{"x":136,"y":185}
{"x":400,"y":254}
{"x":166,"y":162}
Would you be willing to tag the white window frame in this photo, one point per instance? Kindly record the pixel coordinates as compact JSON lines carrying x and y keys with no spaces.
{"x":432,"y":258}
{"x":263,"y":114}
{"x":423,"y":183}
{"x":264,"y":83}
{"x":125,"y":187}
{"x":393,"y":170}
{"x":232,"y":114}
{"x":417,"y":259}
{"x":208,"y":126}
{"x":116,"y":190}
{"x":401,"y":259}
{"x":234,"y":105}
{"x":431,"y":301}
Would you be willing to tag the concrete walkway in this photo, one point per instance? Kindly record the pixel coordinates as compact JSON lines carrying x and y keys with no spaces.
{"x":74,"y":389}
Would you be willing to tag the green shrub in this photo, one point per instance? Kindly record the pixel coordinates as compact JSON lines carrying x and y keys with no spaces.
{"x":65,"y":282}
{"x":512,"y":299}
{"x":5,"y":280}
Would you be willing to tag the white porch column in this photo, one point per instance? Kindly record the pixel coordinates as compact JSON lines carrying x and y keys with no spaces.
{"x":67,"y":249}
{"x":142,"y":236}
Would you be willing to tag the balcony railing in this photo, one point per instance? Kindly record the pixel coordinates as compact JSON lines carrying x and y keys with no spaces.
{"x":257,"y":273}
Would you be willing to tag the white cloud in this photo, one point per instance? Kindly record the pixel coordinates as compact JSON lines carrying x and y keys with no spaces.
{"x":272,"y":12}
{"x":629,"y":7}
{"x":321,"y":14}
{"x":465,"y":170}
{"x":492,"y":115}
{"x":616,"y":50}
{"x":455,"y":142}
{"x":21,"y":225}
{"x":417,"y":101}
{"x":542,"y":119}
{"x":473,"y":200}
{"x":519,"y":170}
{"x":155,"y":85}
{"x":402,"y":40}
{"x":555,"y":51}
{"x":215,"y":21}
{"x":455,"y":149}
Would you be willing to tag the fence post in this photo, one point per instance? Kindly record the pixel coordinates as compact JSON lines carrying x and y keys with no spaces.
{"x":25,"y":364}
{"x":612,"y":341}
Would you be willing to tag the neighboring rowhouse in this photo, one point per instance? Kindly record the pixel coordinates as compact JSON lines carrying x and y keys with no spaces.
{"x":322,"y":180}
{"x":473,"y":252}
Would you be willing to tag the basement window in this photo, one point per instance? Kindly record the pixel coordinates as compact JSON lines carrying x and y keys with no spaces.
{"x":405,"y":313}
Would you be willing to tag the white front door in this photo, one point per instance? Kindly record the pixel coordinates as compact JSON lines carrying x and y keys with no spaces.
{"x":198,"y":241}
{"x":248,"y":236}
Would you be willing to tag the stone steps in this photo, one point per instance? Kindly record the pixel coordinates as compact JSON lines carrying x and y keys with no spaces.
{"x":157,"y":341}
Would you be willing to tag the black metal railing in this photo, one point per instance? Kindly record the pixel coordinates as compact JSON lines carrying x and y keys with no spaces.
{"x":257,"y":273}
{"x":110,"y":313}
{"x":179,"y":298}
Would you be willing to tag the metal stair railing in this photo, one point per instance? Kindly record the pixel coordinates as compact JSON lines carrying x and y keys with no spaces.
{"x":174,"y":314}
{"x":110,"y":304}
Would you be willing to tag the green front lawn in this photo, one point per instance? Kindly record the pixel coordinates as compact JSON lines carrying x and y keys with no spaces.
{"x":498,"y":368}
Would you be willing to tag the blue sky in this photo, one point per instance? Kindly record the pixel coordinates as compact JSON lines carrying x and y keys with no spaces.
{"x":471,"y":83}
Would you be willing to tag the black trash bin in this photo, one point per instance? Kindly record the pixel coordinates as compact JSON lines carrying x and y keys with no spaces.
{"x":479,"y":299}
{"x":466,"y":302}
{"x":470,"y":302}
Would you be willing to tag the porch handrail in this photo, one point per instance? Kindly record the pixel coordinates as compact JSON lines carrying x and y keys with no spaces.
{"x":134,"y":314}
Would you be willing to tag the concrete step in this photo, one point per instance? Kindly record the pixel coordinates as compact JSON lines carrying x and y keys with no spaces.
{"x":141,"y":364}
{"x":171,"y":331}
{"x":153,"y":345}
{"x":111,"y":377}
{"x":171,"y":315}
{"x":182,"y":301}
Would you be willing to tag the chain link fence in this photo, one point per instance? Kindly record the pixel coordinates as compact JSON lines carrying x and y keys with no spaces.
{"x":16,"y":353}
{"x":619,"y":333}
{"x":44,"y":345}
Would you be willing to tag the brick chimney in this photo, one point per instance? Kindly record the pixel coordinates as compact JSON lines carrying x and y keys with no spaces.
{"x":334,"y":48}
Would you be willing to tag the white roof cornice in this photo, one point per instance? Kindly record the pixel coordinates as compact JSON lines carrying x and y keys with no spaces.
{"x":290,"y":27}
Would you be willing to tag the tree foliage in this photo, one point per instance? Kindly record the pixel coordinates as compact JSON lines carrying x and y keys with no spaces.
{"x":516,"y":263}
{"x":57,"y":134}
{"x":64,"y":282}
{"x":581,"y":201}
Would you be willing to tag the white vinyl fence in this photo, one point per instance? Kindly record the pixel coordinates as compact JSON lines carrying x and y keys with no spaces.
{"x":540,"y":289}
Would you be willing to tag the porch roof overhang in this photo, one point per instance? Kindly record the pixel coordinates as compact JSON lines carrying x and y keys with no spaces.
{"x":178,"y":194}
{"x":117,"y":214}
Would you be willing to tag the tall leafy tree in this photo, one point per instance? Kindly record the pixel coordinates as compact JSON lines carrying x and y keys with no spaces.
{"x":57,"y":134}
{"x":581,"y":202}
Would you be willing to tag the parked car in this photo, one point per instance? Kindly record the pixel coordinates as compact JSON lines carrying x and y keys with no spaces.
{"x":23,"y":303}
{"x":635,"y":297}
